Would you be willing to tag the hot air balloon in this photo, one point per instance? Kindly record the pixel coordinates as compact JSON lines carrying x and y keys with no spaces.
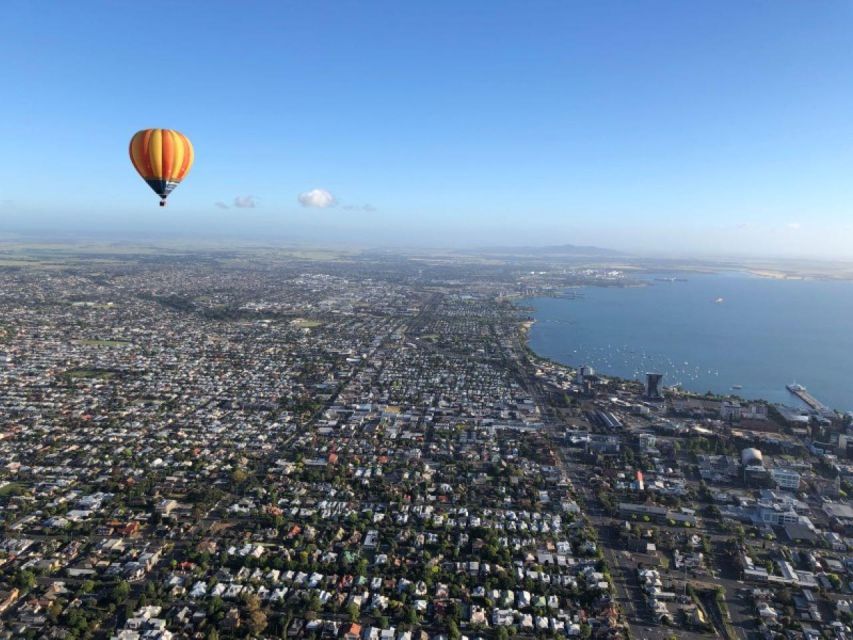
{"x":162,"y":157}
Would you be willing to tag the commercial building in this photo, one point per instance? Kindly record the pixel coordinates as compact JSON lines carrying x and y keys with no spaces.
{"x":730,"y":410}
{"x":653,"y":386}
{"x":786,"y":479}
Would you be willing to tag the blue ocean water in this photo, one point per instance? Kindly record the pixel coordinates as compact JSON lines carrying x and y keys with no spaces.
{"x":711,"y":332}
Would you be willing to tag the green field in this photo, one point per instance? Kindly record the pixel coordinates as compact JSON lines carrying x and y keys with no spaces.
{"x":306,"y":323}
{"x":12,"y":489}
{"x":90,"y":373}
{"x":37,"y":256}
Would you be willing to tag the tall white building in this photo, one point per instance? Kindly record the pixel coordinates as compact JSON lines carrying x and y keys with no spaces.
{"x":730,"y":410}
{"x":786,"y":479}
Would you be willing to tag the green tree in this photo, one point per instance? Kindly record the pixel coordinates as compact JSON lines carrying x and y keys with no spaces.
{"x":120,"y":592}
{"x":352,"y":612}
{"x":257,"y":618}
{"x":215,"y":605}
{"x":239,"y":476}
{"x":26,"y":580}
{"x":54,"y":611}
{"x":314,"y":604}
{"x":453,"y":630}
{"x":257,"y":622}
{"x":361,"y":567}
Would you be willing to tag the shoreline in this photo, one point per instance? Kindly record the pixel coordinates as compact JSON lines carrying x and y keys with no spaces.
{"x":526,"y":325}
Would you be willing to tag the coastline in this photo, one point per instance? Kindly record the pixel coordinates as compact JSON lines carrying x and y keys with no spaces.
{"x":525,"y":326}
{"x":774,"y":275}
{"x":771,"y":391}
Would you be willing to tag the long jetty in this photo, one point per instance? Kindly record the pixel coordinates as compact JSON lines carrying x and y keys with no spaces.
{"x":813,"y":403}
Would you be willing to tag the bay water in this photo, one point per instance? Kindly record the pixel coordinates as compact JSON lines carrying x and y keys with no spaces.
{"x":711,"y":332}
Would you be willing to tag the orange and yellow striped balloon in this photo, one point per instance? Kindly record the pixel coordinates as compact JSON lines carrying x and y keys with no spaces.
{"x":162,"y":157}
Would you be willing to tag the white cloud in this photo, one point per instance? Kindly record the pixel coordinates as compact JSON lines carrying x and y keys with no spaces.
{"x":793,"y":225}
{"x":221,"y":205}
{"x":244,"y":202}
{"x":319,"y":198}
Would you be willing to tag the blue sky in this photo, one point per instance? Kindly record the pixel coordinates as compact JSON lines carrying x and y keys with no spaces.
{"x":658,"y":126}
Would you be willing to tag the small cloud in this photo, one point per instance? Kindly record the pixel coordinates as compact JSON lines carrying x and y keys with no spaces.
{"x":743,"y":225}
{"x":369,"y":208}
{"x":793,"y":225}
{"x":244,"y":202}
{"x":221,"y":205}
{"x":318,"y":198}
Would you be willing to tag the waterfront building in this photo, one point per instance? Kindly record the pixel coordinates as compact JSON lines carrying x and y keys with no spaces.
{"x":653,"y":386}
{"x":730,"y":410}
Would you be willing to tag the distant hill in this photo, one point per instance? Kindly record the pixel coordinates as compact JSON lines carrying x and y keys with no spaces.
{"x":567,"y":250}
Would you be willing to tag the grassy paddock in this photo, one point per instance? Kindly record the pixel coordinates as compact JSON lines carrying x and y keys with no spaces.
{"x":305,"y":323}
{"x":90,"y":373}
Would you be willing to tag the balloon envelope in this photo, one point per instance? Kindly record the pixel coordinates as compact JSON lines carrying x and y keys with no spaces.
{"x":162,"y":157}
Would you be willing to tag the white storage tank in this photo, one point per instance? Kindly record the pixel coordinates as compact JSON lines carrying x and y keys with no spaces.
{"x":751,"y":458}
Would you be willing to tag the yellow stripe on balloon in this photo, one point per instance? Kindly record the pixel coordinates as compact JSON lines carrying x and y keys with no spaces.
{"x":178,"y":151}
{"x":189,"y":159}
{"x":155,"y":154}
{"x":168,"y":154}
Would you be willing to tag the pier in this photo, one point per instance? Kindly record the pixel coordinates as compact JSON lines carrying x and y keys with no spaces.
{"x":813,"y":403}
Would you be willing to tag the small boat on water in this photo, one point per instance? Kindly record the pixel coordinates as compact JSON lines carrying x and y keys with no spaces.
{"x":737,"y":386}
{"x":719,"y":301}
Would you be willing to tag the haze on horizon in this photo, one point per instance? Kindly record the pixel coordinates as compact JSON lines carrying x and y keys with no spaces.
{"x":665,"y":127}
